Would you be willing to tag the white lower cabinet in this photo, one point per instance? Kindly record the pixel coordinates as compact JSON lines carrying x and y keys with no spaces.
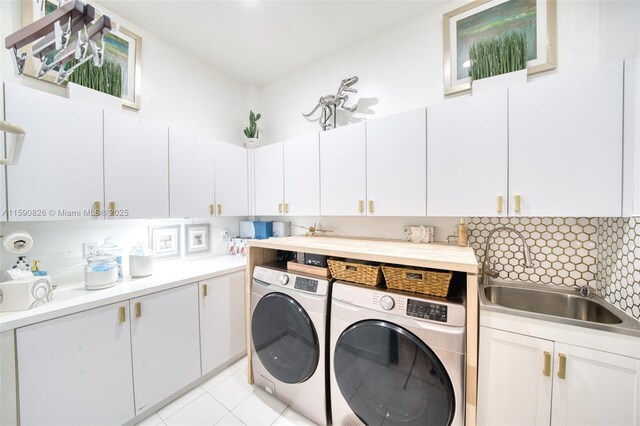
{"x":76,"y":370}
{"x":165,"y":343}
{"x":525,"y":380}
{"x":222,"y":320}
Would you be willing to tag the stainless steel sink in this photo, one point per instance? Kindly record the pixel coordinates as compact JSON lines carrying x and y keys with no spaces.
{"x":565,"y":305}
{"x":558,"y":304}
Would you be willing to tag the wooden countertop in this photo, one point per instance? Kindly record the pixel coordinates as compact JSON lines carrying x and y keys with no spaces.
{"x":438,"y":256}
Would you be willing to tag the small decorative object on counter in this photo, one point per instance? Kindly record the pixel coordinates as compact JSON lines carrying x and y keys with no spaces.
{"x":108,"y":247}
{"x":140,"y":261}
{"x":252,"y":132}
{"x":329,"y":104}
{"x":463,"y":233}
{"x":238,"y":246}
{"x":101,"y":271}
{"x":35,"y":269}
{"x":25,"y":293}
{"x":281,"y":229}
{"x":312,"y":231}
{"x":418,"y":233}
{"x":355,"y":271}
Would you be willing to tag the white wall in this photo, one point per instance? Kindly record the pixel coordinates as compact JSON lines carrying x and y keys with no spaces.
{"x":401,"y":68}
{"x":176,"y":89}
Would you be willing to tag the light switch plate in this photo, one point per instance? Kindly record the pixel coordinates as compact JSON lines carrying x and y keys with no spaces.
{"x":89,"y":248}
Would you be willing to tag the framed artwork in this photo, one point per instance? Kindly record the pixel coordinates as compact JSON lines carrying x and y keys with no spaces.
{"x":165,"y":240}
{"x":197,"y":237}
{"x":485,"y":19}
{"x":121,"y":46}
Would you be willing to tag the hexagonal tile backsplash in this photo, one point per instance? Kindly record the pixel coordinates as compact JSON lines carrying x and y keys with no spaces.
{"x":601,"y":252}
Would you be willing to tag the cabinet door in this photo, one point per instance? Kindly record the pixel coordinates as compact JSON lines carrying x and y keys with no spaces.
{"x":397,"y":164}
{"x":191,"y":174}
{"x":232,"y":196}
{"x":60,"y":164}
{"x":3,"y":187}
{"x":302,"y":176}
{"x":343,"y":171}
{"x":269,"y":180}
{"x":222,"y":320}
{"x":467,"y":156}
{"x":514,"y":388}
{"x":565,"y":144}
{"x":76,"y":370}
{"x":165,"y":341}
{"x":136,"y":167}
{"x":598,"y":388}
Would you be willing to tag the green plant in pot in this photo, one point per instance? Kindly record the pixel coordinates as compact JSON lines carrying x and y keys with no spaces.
{"x":251,"y":132}
{"x":499,"y":55}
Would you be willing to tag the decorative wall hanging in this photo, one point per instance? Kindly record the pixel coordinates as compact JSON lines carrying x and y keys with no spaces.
{"x":164,"y":241}
{"x":197,"y":237}
{"x":485,"y":19}
{"x":329,"y":104}
{"x":121,"y":47}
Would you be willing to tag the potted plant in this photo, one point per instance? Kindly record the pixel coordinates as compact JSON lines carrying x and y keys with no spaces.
{"x":251,"y":132}
{"x":498,"y":62}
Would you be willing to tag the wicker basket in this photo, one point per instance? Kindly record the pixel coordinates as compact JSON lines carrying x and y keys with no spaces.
{"x":355,"y":272}
{"x":417,"y":281}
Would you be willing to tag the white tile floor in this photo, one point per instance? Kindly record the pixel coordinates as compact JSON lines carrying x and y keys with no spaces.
{"x":226,"y":399}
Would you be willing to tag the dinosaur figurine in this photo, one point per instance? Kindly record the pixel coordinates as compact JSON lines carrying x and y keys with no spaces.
{"x":330,"y":103}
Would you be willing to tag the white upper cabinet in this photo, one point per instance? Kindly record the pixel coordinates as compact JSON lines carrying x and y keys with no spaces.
{"x":191,"y":175}
{"x":302,"y":176}
{"x":467,"y":149}
{"x":231,"y":170}
{"x":60,"y":165}
{"x":269,"y":180}
{"x":565,"y":145}
{"x":631,"y":183}
{"x":397,"y":164}
{"x":3,"y":187}
{"x":343,"y":175}
{"x":136,"y":174}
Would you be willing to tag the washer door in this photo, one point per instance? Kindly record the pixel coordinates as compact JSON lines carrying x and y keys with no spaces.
{"x":284,"y":338}
{"x":388,"y":376}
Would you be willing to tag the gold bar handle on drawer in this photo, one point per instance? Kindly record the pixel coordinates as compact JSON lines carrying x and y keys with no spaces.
{"x":370,"y":206}
{"x":547,"y":364}
{"x":219,"y":209}
{"x":122,"y":314}
{"x":112,"y":208}
{"x":280,"y":208}
{"x":138,"y":308}
{"x":204,"y":290}
{"x":96,"y":208}
{"x":286,"y":208}
{"x":517,"y":206}
{"x":562,"y":369}
{"x":360,"y":206}
{"x":212,"y":210}
{"x":499,"y":206}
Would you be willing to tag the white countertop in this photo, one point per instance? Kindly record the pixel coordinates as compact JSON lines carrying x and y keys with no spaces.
{"x":167,"y":274}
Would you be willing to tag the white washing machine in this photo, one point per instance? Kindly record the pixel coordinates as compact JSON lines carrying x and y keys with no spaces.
{"x":396,"y":358}
{"x":289,"y":332}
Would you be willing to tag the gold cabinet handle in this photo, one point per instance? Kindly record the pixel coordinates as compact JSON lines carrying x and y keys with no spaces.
{"x":280,"y":208}
{"x":360,"y":206}
{"x":204,"y":290}
{"x":219,"y":209}
{"x":562,"y":368}
{"x":96,"y":208}
{"x":547,"y":364}
{"x":122,"y":314}
{"x":138,"y":309}
{"x":212,"y":210}
{"x":499,"y":207}
{"x":370,"y":206}
{"x":286,"y":208}
{"x":112,"y":208}
{"x":517,"y":207}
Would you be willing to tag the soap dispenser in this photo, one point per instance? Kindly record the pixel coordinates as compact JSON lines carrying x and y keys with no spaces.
{"x":463,"y":233}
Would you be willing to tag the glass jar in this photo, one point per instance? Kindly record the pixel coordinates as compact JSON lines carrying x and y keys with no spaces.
{"x":100,"y":272}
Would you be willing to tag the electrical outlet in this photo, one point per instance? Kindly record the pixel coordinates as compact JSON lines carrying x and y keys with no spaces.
{"x":89,"y":248}
{"x":224,"y":234}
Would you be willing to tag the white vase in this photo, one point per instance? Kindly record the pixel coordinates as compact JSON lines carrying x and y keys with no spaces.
{"x":79,"y":93}
{"x":501,"y":81}
{"x":252,"y":143}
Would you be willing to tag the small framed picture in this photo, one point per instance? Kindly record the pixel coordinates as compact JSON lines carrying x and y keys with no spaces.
{"x":197,"y":237}
{"x":165,"y":240}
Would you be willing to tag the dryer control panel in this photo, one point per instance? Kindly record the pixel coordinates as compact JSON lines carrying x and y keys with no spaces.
{"x":426,"y":310}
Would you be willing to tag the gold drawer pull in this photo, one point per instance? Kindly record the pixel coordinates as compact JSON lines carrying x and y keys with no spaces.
{"x":547,"y":364}
{"x":219,"y":209}
{"x":517,"y":207}
{"x":212,"y":210}
{"x":112,"y":208}
{"x":562,"y":369}
{"x":122,"y":314}
{"x":499,"y":208}
{"x":286,"y":208}
{"x":370,"y":206}
{"x":96,"y":208}
{"x":138,"y":308}
{"x":280,"y":208}
{"x":204,"y":290}
{"x":360,"y":206}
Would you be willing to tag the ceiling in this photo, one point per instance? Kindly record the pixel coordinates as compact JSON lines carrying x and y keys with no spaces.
{"x":259,"y":41}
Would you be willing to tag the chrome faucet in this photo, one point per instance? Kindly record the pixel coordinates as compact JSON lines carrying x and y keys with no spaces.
{"x":488,"y":271}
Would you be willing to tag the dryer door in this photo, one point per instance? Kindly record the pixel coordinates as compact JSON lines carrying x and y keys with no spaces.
{"x":388,"y":376}
{"x":284,"y":338}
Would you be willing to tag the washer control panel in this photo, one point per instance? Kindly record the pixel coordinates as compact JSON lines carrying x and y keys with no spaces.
{"x":387,"y":303}
{"x":281,"y":278}
{"x":306,"y":284}
{"x":426,"y":310}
